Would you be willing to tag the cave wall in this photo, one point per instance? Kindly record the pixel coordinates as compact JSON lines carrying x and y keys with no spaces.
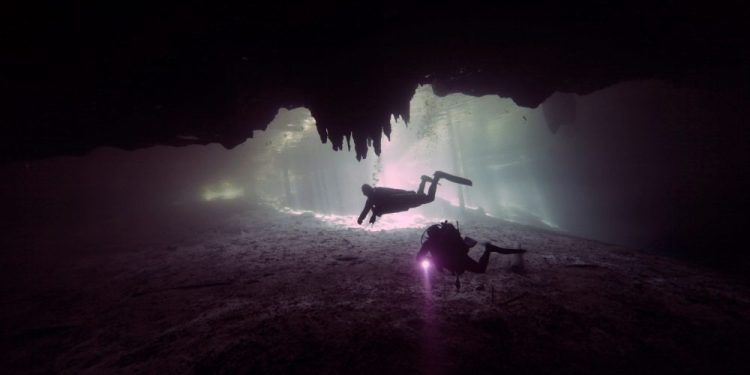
{"x":652,"y":166}
{"x":81,"y":75}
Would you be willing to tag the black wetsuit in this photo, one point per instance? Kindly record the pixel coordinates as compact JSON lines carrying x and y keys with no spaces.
{"x":387,"y":200}
{"x":452,"y":253}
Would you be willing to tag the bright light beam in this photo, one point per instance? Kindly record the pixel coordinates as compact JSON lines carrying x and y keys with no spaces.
{"x":425,"y":265}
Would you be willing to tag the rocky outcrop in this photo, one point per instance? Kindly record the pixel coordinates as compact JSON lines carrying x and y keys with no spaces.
{"x":77,"y":78}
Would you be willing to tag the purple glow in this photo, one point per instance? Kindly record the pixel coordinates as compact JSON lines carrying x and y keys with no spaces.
{"x":425,"y":264}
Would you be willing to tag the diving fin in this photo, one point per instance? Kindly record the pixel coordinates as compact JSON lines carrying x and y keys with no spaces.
{"x":501,"y":250}
{"x":452,"y":178}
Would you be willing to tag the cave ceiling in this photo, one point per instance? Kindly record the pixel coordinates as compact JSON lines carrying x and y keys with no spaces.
{"x":77,"y":77}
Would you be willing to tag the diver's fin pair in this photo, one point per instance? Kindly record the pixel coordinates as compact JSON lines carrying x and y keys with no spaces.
{"x":452,"y":178}
{"x":501,"y":250}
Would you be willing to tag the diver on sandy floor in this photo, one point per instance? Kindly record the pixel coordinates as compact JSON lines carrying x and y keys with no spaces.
{"x":383,"y":200}
{"x":448,"y":250}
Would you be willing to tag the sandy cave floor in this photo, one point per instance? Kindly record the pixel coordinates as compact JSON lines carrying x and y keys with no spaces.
{"x":253,"y":290}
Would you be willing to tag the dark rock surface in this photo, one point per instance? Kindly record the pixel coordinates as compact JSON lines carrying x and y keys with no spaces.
{"x":75,"y":77}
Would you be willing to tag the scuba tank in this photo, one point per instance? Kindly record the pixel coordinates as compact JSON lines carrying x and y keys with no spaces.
{"x":446,"y":247}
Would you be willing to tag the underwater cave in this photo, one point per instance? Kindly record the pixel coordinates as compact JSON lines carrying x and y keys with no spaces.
{"x":182,"y":187}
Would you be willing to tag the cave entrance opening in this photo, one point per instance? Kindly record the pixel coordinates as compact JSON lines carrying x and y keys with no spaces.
{"x":482,"y":138}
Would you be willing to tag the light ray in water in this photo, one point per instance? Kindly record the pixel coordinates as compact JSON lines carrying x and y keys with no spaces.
{"x":402,"y":220}
{"x":225,"y":191}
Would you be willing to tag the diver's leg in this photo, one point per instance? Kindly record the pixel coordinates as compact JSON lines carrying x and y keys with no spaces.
{"x":433,"y":189}
{"x":421,"y":184}
{"x":478,"y":267}
{"x":433,"y":186}
{"x":421,"y":198}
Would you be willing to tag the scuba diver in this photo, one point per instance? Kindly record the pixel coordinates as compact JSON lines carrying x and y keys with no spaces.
{"x":448,"y":250}
{"x":386,"y":200}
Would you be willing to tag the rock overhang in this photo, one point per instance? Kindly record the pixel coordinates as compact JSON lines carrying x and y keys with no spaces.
{"x":77,"y":79}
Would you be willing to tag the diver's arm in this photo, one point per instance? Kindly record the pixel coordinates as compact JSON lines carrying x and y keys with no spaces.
{"x":422,"y":251}
{"x":368,"y":207}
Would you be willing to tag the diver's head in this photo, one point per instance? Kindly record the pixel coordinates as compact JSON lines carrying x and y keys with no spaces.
{"x":366,"y":189}
{"x":434,"y":231}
